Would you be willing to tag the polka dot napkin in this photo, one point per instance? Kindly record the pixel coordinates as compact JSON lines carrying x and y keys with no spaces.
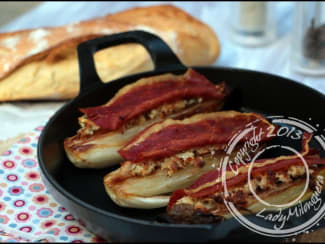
{"x":27,"y":210}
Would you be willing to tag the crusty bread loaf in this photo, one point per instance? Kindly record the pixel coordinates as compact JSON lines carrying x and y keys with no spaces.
{"x":42,"y":63}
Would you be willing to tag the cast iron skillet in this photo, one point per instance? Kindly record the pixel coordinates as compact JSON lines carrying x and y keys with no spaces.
{"x":82,"y":192}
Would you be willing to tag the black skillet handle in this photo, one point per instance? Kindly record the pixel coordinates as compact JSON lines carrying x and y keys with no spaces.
{"x":162,"y":56}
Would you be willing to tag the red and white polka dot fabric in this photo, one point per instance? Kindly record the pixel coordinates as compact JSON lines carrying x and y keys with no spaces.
{"x":27,"y":210}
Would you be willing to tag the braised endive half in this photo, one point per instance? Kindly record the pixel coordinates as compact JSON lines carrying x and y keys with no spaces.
{"x":277,"y":181}
{"x":172,"y":154}
{"x":106,"y":128}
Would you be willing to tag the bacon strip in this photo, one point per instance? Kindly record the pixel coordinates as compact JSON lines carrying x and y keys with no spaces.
{"x":170,"y":137}
{"x":210,"y":183}
{"x":144,"y":97}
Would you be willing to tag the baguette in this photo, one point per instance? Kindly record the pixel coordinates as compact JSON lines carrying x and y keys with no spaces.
{"x":42,"y":63}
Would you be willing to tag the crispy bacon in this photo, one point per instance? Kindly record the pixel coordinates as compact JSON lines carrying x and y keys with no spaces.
{"x":170,"y":137}
{"x":210,"y":183}
{"x":141,"y":98}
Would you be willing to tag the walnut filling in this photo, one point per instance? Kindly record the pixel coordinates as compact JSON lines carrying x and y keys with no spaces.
{"x":88,"y":127}
{"x":240,"y":195}
{"x":196,"y":157}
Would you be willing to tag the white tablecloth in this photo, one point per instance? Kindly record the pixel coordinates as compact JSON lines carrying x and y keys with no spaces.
{"x":17,"y":118}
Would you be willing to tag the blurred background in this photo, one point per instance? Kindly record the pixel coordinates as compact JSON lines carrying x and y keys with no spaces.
{"x":230,"y":20}
{"x":11,"y":10}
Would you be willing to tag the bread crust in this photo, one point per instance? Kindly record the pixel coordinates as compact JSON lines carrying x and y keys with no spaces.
{"x":42,"y":63}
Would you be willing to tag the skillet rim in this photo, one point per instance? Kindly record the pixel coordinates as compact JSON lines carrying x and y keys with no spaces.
{"x":70,"y":197}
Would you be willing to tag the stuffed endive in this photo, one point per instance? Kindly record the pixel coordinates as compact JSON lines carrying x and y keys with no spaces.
{"x":105,"y":129}
{"x":276,"y":181}
{"x":172,"y":154}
